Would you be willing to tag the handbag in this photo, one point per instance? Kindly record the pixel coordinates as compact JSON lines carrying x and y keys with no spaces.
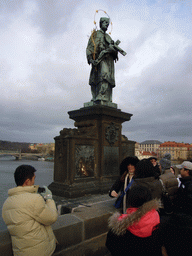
{"x":119,"y":200}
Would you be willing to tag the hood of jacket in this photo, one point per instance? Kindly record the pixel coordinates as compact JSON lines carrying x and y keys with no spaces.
{"x":153,"y":184}
{"x":20,"y":190}
{"x":139,"y":221}
{"x":167,"y":171}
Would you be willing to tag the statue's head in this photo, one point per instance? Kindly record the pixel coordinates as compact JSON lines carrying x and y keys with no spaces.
{"x":104,"y":23}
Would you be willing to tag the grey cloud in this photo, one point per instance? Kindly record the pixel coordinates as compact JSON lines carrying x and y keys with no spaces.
{"x":37,"y":123}
{"x":10,"y":6}
{"x":53,"y":16}
{"x":169,"y":115}
{"x":36,"y":109}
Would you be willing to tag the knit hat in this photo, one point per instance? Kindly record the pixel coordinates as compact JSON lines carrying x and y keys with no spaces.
{"x":165,"y":162}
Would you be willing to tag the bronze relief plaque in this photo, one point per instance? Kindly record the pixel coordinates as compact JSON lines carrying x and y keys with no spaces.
{"x":84,"y":161}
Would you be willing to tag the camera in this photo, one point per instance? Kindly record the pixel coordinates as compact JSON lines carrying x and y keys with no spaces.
{"x":41,"y":190}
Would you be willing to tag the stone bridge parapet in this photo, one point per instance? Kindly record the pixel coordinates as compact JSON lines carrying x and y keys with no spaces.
{"x":81,"y":233}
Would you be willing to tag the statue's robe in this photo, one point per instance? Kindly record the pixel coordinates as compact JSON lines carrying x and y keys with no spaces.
{"x":105,"y":70}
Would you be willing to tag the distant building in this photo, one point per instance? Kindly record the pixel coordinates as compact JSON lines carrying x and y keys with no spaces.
{"x":190,"y":153}
{"x":141,"y":154}
{"x":45,"y":148}
{"x":32,"y":147}
{"x":149,"y":145}
{"x":178,"y":151}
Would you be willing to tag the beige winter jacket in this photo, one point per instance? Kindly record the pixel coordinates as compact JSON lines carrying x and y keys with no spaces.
{"x":28,"y":218}
{"x":170,"y":182}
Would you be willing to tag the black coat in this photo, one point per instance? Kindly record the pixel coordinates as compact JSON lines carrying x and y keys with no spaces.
{"x":176,"y":234}
{"x":183,"y":201}
{"x":120,"y":241}
{"x":131,"y":245}
{"x":153,"y":184}
{"x":118,"y":186}
{"x":157,"y":170}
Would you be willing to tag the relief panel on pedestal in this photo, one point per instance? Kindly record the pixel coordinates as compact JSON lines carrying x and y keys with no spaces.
{"x":111,"y":153}
{"x":111,"y":133}
{"x":84,"y":161}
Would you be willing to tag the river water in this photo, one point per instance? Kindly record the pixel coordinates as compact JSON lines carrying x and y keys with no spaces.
{"x":44,"y":176}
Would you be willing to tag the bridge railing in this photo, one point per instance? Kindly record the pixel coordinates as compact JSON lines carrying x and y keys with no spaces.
{"x":9,"y":151}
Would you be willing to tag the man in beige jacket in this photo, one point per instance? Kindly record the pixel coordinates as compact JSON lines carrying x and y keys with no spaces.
{"x":29,"y":215}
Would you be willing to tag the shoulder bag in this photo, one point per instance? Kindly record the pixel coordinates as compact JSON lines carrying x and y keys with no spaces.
{"x":119,"y":200}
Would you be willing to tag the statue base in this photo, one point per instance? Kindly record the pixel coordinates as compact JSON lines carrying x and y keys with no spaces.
{"x":81,"y":188}
{"x":100,"y":102}
{"x":87,"y":158}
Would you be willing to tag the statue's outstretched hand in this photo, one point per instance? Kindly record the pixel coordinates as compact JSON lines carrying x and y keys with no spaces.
{"x":116,"y":59}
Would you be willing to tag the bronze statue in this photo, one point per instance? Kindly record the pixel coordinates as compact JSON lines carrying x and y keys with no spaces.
{"x":101,"y":53}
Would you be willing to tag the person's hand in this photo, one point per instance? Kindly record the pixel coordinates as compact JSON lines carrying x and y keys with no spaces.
{"x":114,"y":193}
{"x":47,"y":194}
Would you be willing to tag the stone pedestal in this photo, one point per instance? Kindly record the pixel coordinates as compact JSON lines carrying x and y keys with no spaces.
{"x":87,"y":158}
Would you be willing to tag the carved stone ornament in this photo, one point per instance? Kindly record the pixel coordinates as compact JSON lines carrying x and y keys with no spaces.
{"x":111,"y":133}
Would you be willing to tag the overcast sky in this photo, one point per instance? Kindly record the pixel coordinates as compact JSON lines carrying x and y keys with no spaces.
{"x":44,"y":71}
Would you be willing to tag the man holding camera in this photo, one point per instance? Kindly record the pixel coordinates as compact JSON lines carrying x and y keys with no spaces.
{"x":29,"y":215}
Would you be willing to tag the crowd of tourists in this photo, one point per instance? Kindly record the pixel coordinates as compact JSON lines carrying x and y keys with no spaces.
{"x":154,"y":211}
{"x":154,"y":203}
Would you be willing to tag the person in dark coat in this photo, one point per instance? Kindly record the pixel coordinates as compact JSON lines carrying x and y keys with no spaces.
{"x":169,"y":184}
{"x":153,"y":160}
{"x":146,"y":176}
{"x":134,"y":233}
{"x":167,"y":177}
{"x":127,"y":170}
{"x":183,"y":201}
{"x":176,"y":235}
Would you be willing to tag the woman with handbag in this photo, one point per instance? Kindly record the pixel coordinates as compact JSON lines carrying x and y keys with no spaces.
{"x":127,"y":170}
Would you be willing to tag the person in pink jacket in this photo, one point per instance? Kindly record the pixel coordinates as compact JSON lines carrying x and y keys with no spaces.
{"x":135,"y":233}
{"x":29,"y":215}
